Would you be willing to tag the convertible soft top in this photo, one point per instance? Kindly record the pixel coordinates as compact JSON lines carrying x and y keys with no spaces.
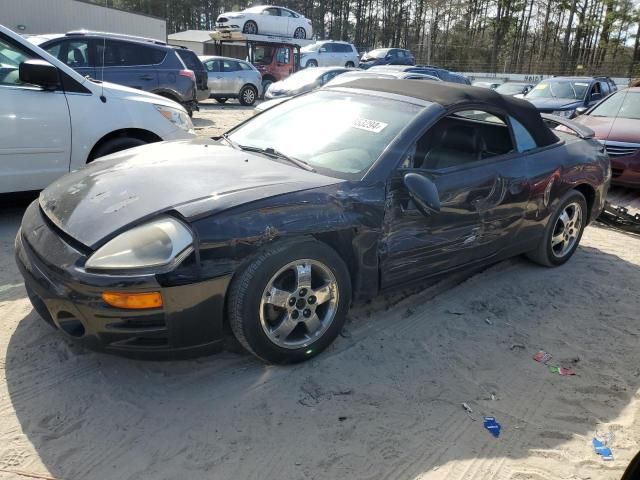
{"x":451,"y":95}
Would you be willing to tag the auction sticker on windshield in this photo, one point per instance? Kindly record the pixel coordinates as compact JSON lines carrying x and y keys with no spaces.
{"x":369,"y":125}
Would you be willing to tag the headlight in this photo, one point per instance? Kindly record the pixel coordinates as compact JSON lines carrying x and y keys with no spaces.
{"x":564,"y":113}
{"x":163,"y":242}
{"x":178,"y":117}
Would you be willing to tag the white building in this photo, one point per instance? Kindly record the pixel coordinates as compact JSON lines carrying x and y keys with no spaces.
{"x":60,"y":16}
{"x":197,"y":40}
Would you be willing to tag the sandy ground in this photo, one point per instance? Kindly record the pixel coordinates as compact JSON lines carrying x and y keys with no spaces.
{"x":384,"y":402}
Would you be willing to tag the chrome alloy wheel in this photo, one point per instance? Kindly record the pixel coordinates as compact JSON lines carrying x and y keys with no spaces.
{"x":566,"y":230}
{"x":248,"y":95}
{"x":299,"y":303}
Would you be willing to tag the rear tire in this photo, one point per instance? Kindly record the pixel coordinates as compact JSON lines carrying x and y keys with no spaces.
{"x":247,"y":96}
{"x":250,"y":28}
{"x":115,"y":145}
{"x":290,"y":302}
{"x":349,"y":65}
{"x":563,"y":231}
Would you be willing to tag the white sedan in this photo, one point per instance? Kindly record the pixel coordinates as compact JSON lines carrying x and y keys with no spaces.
{"x":267,"y":20}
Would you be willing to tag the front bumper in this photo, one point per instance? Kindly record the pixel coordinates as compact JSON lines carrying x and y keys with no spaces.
{"x":188,"y":324}
{"x":625,"y":171}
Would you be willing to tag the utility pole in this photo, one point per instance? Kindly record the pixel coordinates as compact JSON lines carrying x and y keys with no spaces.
{"x":429,"y":43}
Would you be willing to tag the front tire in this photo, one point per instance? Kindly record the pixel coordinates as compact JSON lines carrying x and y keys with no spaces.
{"x":247,"y":96}
{"x":290,"y":302}
{"x":563,"y":231}
{"x":250,"y":27}
{"x":115,"y":145}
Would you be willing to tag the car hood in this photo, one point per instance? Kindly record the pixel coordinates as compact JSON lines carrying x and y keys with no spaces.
{"x":193,"y":177}
{"x":614,"y":129}
{"x":234,"y":14}
{"x":133,"y":94}
{"x":555,"y":103}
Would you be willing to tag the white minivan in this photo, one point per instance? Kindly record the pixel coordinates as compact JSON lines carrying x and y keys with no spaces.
{"x":54,"y":120}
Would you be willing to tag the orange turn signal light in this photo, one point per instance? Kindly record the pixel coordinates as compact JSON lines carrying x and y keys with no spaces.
{"x":134,"y":301}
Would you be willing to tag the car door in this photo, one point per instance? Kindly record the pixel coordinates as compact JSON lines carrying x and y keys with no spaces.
{"x":231,"y":77}
{"x":272,"y":22}
{"x":35,"y":126}
{"x":483,"y":196}
{"x":214,"y":74}
{"x":78,"y":53}
{"x":289,"y":22}
{"x":128,"y":63}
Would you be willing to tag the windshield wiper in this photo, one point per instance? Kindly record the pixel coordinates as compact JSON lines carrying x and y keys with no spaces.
{"x":272,"y":152}
{"x":231,"y":143}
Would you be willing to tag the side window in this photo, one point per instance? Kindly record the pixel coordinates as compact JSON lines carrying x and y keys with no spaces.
{"x":125,"y":54}
{"x":190,"y":60}
{"x":283,"y":55}
{"x":11,"y":56}
{"x":212,"y":65}
{"x":274,"y":12}
{"x":75,"y":53}
{"x":230,"y":66}
{"x":524,"y":140}
{"x":245,"y":66}
{"x":461,"y":138}
{"x":287,"y":13}
{"x":331,"y":47}
{"x":55,"y":50}
{"x":604,"y":86}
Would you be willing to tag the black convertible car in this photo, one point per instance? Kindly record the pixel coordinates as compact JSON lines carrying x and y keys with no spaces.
{"x":273,"y":229}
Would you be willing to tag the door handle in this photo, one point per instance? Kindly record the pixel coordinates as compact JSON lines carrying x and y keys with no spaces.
{"x":146,"y":77}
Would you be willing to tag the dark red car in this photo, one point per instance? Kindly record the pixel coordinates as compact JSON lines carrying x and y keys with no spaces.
{"x":616,"y":121}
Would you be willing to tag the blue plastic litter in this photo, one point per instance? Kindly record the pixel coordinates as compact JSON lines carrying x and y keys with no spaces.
{"x":602,"y":450}
{"x":493,"y":426}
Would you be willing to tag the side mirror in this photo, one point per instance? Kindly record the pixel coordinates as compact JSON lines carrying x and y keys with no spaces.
{"x":581,"y":110}
{"x":423,"y":192}
{"x":39,"y":72}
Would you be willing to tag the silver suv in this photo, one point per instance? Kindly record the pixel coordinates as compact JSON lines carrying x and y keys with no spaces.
{"x":329,"y":54}
{"x":232,"y":78}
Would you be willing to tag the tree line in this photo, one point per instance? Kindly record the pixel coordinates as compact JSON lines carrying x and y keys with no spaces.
{"x":565,"y":37}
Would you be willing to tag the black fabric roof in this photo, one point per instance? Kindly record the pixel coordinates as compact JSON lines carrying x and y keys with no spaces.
{"x":452,"y":95}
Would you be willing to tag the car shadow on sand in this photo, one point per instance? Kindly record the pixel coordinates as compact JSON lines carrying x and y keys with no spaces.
{"x":383,"y":402}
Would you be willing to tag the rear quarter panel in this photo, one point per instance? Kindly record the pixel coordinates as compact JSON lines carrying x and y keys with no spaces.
{"x":572,"y":163}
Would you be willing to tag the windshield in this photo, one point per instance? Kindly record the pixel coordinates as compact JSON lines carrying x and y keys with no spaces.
{"x":301,"y":78}
{"x":342,"y":146}
{"x":263,"y":55}
{"x":575,"y":89}
{"x":379,"y":53}
{"x":623,"y":104}
{"x":311,"y":48}
{"x":510,"y":88}
{"x":350,"y":76}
